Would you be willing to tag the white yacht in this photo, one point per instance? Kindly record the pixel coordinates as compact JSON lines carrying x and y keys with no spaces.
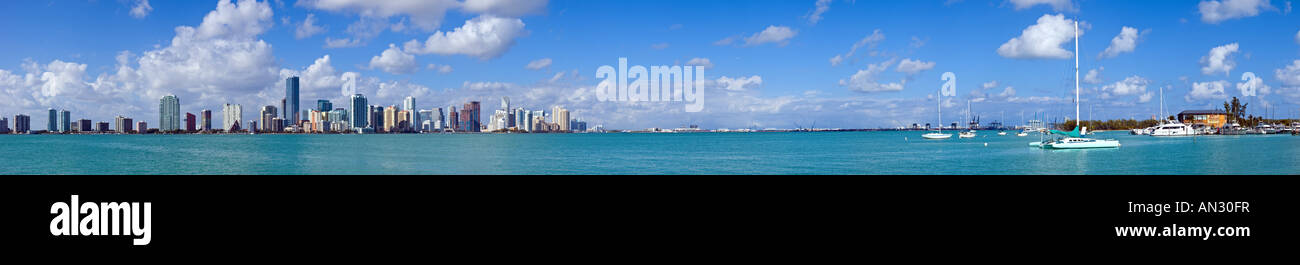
{"x":970,"y":133}
{"x":1173,"y":129}
{"x":967,"y":134}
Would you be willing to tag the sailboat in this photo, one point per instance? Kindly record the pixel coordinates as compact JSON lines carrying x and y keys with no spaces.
{"x":1075,"y":138}
{"x":971,"y":132}
{"x":938,"y":135}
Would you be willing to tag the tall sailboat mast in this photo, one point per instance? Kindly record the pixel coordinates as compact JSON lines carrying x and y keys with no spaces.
{"x":1076,"y":73}
{"x":940,"y":100}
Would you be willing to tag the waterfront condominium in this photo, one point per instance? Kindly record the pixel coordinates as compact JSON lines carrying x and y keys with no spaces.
{"x":122,"y":124}
{"x":440,"y":120}
{"x":65,"y":121}
{"x":390,"y":118}
{"x":22,"y":123}
{"x":377,"y":118}
{"x":453,"y":119}
{"x":169,"y":113}
{"x":85,"y":125}
{"x":357,"y":113}
{"x":560,"y":116}
{"x":233,"y":114}
{"x":268,"y":113}
{"x":205,"y":118}
{"x":520,"y":116}
{"x":189,"y":122}
{"x":408,"y":105}
{"x":54,"y":121}
{"x":291,"y":110}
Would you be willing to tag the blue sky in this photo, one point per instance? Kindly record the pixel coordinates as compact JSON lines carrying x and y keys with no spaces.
{"x":100,"y":59}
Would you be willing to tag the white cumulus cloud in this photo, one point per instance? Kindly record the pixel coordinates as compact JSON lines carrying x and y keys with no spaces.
{"x":1132,"y":85}
{"x":1126,"y":41}
{"x":485,"y":37}
{"x":141,"y":9}
{"x":1214,"y":12}
{"x":913,"y":67}
{"x":1042,"y":40}
{"x":394,"y":61}
{"x":1094,"y":76}
{"x":1219,"y":60}
{"x":1207,"y":91}
{"x":865,"y":80}
{"x":1289,"y":75}
{"x":739,"y":83}
{"x":308,"y":28}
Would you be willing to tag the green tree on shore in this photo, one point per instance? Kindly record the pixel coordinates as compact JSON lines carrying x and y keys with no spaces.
{"x":1236,"y":110}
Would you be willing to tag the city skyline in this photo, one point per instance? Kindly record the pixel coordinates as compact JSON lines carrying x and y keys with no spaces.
{"x":770,"y":64}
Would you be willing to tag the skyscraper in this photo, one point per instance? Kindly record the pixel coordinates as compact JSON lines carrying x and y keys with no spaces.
{"x":169,"y":113}
{"x":190,"y":121}
{"x":233,"y":114}
{"x":377,"y":118}
{"x":22,"y":123}
{"x":65,"y":121}
{"x":54,"y":121}
{"x":560,"y":116}
{"x":471,"y":117}
{"x":519,"y":118}
{"x":510,"y":114}
{"x":268,"y":113}
{"x":453,"y":121}
{"x":408,"y":105}
{"x":527,"y":120}
{"x":205,"y":118}
{"x":390,"y":118}
{"x":358,"y":112}
{"x":403,"y":123}
{"x":291,"y":110}
{"x":4,"y":125}
{"x":323,"y":105}
{"x":141,"y":127}
{"x":440,"y":119}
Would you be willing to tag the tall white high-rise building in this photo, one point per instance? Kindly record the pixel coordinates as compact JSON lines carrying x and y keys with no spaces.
{"x":233,"y":114}
{"x":519,"y":119}
{"x":408,"y":105}
{"x":65,"y":122}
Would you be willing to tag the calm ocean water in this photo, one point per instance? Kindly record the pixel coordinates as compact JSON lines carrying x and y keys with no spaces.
{"x":639,"y":153}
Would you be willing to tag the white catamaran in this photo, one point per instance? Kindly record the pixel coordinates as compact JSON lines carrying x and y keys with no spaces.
{"x":1075,"y":139}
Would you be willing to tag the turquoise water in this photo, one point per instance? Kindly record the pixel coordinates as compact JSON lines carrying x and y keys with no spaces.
{"x":637,"y":153}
